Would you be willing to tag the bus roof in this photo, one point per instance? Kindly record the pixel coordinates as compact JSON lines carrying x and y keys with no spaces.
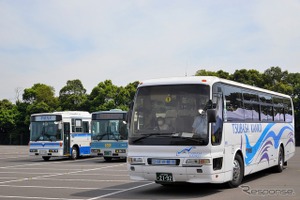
{"x":66,"y":113}
{"x":206,"y":80}
{"x":111,"y":111}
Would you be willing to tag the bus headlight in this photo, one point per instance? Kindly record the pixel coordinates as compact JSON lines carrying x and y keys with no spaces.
{"x":197,"y":162}
{"x":135,"y":160}
{"x":53,"y":150}
{"x":95,"y":150}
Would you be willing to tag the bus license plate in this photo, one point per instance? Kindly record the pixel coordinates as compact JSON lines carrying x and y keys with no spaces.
{"x":164,"y":177}
{"x":107,"y":153}
{"x":43,"y":152}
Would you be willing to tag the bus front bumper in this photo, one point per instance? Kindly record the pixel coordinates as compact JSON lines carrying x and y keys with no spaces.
{"x":178,"y":174}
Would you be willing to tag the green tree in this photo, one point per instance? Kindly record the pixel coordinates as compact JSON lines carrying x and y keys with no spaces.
{"x":102,"y":96}
{"x":276,"y":80}
{"x":73,"y":96}
{"x":220,"y":73}
{"x":37,"y":99}
{"x":40,"y":93}
{"x":250,"y":77}
{"x":8,"y":112}
{"x":131,"y":88}
{"x":293,"y":80}
{"x":106,"y":96}
{"x":22,"y":122}
{"x":125,"y":95}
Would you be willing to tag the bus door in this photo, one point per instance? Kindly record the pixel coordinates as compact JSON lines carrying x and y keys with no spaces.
{"x":66,"y":138}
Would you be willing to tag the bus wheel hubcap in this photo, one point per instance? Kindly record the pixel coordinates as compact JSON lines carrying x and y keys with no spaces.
{"x":236,"y":170}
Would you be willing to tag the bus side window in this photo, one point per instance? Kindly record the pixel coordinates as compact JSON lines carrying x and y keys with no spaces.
{"x":233,"y":104}
{"x":85,"y":127}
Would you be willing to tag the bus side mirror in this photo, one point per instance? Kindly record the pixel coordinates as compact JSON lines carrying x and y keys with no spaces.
{"x":59,"y":126}
{"x":211,"y":115}
{"x":129,"y":114}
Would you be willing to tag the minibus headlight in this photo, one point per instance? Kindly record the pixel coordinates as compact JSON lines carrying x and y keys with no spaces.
{"x":135,"y":160}
{"x":197,"y":162}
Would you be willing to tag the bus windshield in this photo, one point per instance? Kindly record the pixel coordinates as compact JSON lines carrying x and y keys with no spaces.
{"x":45,"y":131}
{"x":109,"y":130}
{"x":170,"y":115}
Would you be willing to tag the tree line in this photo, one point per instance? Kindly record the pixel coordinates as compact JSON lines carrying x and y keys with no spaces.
{"x":15,"y":117}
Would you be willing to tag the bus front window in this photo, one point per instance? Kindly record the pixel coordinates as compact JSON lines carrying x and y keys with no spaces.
{"x":182,"y":108}
{"x":45,"y":131}
{"x":109,"y":130}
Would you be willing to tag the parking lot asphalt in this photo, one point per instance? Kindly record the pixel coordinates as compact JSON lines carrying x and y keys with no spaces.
{"x":91,"y":178}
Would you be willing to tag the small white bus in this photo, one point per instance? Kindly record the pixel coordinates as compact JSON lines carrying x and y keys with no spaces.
{"x":245,"y":129}
{"x":60,"y":134}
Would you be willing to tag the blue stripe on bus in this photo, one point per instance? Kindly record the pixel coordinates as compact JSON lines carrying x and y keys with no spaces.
{"x":44,"y":144}
{"x":73,"y":135}
{"x":267,"y":139}
{"x":85,"y":150}
{"x":109,"y":144}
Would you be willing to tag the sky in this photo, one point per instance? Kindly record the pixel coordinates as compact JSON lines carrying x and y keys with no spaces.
{"x":51,"y":42}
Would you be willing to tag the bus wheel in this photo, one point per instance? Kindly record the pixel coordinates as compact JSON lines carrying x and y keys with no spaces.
{"x":74,"y":154}
{"x":107,"y":159}
{"x":46,"y":158}
{"x":280,"y":164}
{"x":237,"y":172}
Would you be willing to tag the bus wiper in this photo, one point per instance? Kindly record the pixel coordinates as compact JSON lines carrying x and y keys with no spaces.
{"x":189,"y":138}
{"x":114,"y":137}
{"x":38,"y":137}
{"x":99,"y":137}
{"x":151,"y":134}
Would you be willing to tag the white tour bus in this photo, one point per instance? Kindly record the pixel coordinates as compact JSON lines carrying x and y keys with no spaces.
{"x":60,"y":134}
{"x":246,"y":129}
{"x":109,"y":134}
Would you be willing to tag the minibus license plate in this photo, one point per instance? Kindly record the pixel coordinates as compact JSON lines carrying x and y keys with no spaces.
{"x":107,"y":153}
{"x":164,"y":177}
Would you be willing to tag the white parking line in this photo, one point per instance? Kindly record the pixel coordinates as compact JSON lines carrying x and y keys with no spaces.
{"x":59,"y":174}
{"x":45,"y":187}
{"x":44,"y":198}
{"x":4,"y":158}
{"x":120,"y":191}
{"x":15,"y":166}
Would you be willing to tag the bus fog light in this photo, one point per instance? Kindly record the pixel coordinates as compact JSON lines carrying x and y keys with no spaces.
{"x":135,"y":161}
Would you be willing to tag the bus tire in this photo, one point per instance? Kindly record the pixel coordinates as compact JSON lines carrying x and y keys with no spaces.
{"x":46,"y":158}
{"x":237,"y":172}
{"x":74,"y":154}
{"x":107,"y":159}
{"x":279,"y":167}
